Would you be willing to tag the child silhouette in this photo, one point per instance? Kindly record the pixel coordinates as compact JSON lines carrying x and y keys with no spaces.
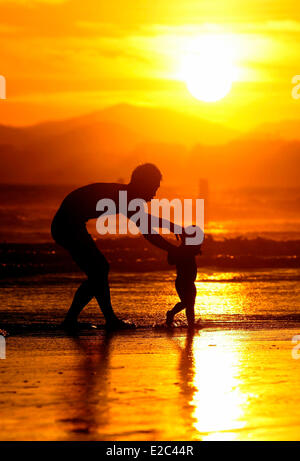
{"x":184,"y":258}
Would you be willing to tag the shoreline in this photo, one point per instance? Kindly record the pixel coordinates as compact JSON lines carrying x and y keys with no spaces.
{"x":134,"y":254}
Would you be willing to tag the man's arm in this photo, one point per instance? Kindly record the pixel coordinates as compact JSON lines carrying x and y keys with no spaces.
{"x":151,"y":234}
{"x":163,"y":224}
{"x":155,"y":222}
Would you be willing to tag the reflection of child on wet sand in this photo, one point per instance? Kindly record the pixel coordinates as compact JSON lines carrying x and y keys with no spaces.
{"x":184,"y":258}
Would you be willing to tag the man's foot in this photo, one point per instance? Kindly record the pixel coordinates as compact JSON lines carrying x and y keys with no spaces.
{"x":117,"y":324}
{"x":169,"y":319}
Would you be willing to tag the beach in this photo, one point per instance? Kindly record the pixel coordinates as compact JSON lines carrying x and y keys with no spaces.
{"x":233,"y":379}
{"x":149,"y":168}
{"x":147,"y":385}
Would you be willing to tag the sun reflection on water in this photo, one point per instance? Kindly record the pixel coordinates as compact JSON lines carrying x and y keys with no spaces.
{"x":221,"y":299}
{"x":217,"y":401}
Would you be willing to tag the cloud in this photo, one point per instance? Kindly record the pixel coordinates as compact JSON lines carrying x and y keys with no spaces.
{"x":103,"y":29}
{"x":6,"y":29}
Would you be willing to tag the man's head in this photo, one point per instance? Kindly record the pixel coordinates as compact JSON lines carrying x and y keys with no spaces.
{"x":144,"y":182}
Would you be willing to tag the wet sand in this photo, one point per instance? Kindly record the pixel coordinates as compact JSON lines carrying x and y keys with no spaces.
{"x":151,"y":385}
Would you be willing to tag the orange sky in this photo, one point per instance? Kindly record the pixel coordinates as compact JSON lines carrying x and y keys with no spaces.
{"x":64,"y":58}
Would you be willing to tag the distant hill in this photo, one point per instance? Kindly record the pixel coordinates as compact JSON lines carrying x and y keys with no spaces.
{"x":249,"y":162}
{"x":70,"y":155}
{"x":164,"y":125}
{"x":286,"y":129}
{"x":106,"y":145}
{"x":155,"y":124}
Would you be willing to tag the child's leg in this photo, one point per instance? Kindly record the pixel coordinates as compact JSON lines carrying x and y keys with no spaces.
{"x":190,"y":315}
{"x":190,"y":306}
{"x":171,"y":314}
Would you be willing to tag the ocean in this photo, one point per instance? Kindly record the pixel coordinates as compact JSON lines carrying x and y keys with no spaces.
{"x":241,"y":299}
{"x":234,"y":378}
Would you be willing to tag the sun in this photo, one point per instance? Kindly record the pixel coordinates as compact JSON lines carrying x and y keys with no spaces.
{"x":208,"y":67}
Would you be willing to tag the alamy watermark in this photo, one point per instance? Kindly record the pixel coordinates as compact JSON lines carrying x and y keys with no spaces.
{"x":295,"y":350}
{"x":296,"y":88}
{"x":2,"y":348}
{"x":148,"y":219}
{"x":2,"y":87}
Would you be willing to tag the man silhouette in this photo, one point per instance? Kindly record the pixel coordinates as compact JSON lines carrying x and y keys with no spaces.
{"x":69,"y":230}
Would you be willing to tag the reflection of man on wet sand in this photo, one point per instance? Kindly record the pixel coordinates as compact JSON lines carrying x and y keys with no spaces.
{"x":85,"y":412}
{"x":69,"y":230}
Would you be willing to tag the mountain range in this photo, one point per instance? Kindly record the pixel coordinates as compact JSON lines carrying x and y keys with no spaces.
{"x":107,"y":144}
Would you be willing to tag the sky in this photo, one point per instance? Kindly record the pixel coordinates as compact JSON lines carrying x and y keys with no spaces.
{"x":65,"y":58}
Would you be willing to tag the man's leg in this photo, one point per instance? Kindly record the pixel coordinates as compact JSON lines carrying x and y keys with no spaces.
{"x":171,"y":314}
{"x":84,"y":294}
{"x":81,"y":298}
{"x":101,"y":291}
{"x":99,"y":284}
{"x":87,"y":256}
